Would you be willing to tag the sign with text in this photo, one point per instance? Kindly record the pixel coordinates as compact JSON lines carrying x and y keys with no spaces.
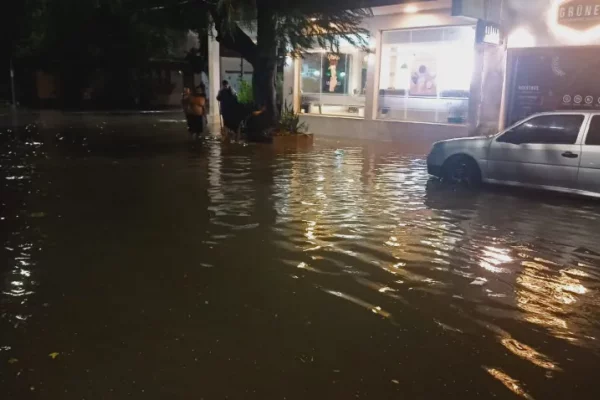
{"x":549,"y":79}
{"x":579,"y":14}
{"x":489,"y":32}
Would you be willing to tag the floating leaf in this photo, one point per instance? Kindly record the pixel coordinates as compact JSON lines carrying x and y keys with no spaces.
{"x":53,"y":355}
{"x":13,"y":360}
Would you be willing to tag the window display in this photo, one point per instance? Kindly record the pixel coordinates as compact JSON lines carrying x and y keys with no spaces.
{"x":334,"y":83}
{"x":426,"y":74}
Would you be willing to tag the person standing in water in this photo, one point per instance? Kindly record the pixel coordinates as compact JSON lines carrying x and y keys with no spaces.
{"x":201,"y":92}
{"x":227,"y":99}
{"x":194,"y":107}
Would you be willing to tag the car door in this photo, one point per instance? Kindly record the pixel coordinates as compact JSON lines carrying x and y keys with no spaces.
{"x":589,"y":169}
{"x":544,"y":150}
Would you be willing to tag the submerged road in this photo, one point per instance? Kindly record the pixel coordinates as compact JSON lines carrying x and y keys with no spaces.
{"x":135,"y":263}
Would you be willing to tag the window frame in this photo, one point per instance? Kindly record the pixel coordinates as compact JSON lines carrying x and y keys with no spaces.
{"x":582,"y":129}
{"x":587,"y":130}
{"x":378,"y":99}
{"x":346,"y":98}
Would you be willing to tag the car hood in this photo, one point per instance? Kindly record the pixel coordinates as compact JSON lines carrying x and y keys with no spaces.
{"x":467,"y":142}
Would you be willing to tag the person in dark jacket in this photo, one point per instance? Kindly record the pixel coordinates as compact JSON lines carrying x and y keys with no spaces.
{"x":229,"y":107}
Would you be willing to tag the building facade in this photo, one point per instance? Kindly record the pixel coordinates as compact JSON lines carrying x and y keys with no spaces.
{"x":423,"y":78}
{"x":553,"y":58}
{"x":448,"y":68}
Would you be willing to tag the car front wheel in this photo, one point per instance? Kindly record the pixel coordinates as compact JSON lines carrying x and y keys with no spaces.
{"x":462,"y":170}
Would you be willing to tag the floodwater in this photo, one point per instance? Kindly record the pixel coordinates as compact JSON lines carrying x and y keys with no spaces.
{"x":137,"y":264}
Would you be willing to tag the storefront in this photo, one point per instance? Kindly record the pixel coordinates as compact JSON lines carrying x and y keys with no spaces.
{"x":425,"y":74}
{"x":334,"y":84}
{"x":415,"y":82}
{"x":553,"y":64}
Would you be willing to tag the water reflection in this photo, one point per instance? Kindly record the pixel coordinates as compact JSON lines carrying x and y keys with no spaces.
{"x":20,"y":235}
{"x":396,"y":233}
{"x":397,"y":221}
{"x":231,"y":188}
{"x":511,"y":384}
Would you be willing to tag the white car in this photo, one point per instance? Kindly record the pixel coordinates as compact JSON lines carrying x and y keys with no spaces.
{"x":557,"y":151}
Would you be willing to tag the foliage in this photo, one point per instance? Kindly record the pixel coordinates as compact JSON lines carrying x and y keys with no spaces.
{"x":80,"y":36}
{"x":298,"y":26}
{"x":77,"y":38}
{"x":244,"y":94}
{"x":16,"y":23}
{"x":102,"y":31}
{"x":279,"y":88}
{"x":289,"y":121}
{"x":264,"y":32}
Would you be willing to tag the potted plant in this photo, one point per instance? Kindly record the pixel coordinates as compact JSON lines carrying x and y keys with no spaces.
{"x":290,"y":130}
{"x":458,"y":114}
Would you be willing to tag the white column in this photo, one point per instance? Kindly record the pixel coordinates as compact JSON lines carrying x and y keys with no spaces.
{"x":288,"y":82}
{"x":355,"y":74}
{"x":373,"y":72}
{"x":297,"y":84}
{"x":214,"y":77}
{"x":504,"y":98}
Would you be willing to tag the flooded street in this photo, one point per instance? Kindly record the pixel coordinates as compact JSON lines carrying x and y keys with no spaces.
{"x":137,"y":264}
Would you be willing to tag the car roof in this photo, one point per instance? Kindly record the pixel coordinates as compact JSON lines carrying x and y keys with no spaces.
{"x":568,"y":112}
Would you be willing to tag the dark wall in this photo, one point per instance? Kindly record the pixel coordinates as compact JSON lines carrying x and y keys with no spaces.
{"x":552,"y":78}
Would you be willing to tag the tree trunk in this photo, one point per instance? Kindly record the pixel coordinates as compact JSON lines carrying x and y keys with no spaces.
{"x":263,"y":87}
{"x":262,"y":55}
{"x":265,"y":63}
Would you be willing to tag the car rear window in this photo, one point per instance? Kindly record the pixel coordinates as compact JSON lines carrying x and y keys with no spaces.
{"x":593,"y":136}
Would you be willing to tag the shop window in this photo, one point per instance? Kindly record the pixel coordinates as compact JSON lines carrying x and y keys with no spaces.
{"x":334,"y":83}
{"x":425,"y":74}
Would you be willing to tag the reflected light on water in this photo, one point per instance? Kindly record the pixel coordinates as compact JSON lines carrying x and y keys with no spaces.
{"x":529,"y":354}
{"x":548,"y":297}
{"x":512,"y":384}
{"x":375,"y":309}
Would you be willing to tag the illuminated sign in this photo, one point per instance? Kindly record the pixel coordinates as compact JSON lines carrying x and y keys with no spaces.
{"x":490,"y":33}
{"x":579,"y":14}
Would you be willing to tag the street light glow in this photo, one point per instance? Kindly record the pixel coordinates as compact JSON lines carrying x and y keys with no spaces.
{"x":521,"y":37}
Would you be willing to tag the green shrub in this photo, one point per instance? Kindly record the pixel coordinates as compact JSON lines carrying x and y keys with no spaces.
{"x":289,"y":121}
{"x":245,"y":92}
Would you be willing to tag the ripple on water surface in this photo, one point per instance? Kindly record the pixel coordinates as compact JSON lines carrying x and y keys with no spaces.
{"x":350,"y":263}
{"x":375,"y":232}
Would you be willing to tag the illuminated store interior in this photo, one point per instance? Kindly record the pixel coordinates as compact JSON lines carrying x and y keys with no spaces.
{"x":424,"y":75}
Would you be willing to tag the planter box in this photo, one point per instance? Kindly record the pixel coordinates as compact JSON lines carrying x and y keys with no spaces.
{"x":293,"y":141}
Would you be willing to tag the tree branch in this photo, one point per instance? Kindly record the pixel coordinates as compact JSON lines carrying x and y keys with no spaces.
{"x":230,"y":34}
